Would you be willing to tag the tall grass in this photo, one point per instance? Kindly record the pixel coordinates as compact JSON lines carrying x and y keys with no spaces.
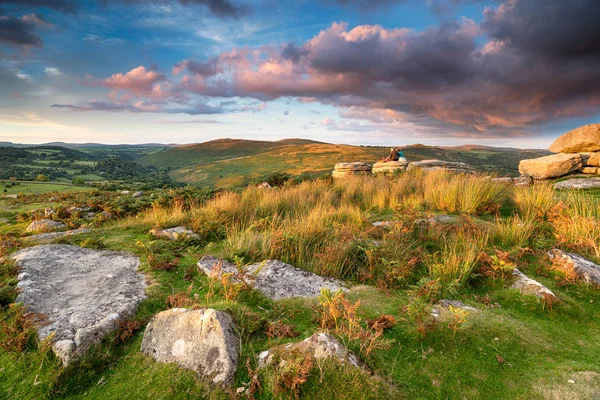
{"x":453,"y":264}
{"x":534,"y":201}
{"x":513,"y":232}
{"x":576,"y":223}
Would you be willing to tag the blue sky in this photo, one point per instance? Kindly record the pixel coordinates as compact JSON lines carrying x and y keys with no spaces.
{"x":501,"y":73}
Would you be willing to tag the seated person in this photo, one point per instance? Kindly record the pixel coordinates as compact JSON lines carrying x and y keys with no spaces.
{"x":395,"y":155}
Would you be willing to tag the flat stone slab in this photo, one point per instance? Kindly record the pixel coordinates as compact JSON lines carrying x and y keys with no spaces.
{"x":204,"y":341}
{"x":276,"y":279}
{"x":436,"y":165}
{"x":55,"y":235}
{"x":177,"y":233}
{"x":390,"y":167}
{"x":588,"y":271}
{"x":319,"y":345}
{"x":353,"y":166}
{"x":578,"y":183}
{"x":83,"y":292}
{"x":530,"y":286}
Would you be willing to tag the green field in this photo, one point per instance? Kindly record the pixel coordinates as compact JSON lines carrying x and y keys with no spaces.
{"x":27,"y":188}
{"x":230,"y":163}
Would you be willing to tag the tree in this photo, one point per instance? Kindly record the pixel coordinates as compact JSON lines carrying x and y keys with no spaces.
{"x":42,"y":178}
{"x":78,"y":181}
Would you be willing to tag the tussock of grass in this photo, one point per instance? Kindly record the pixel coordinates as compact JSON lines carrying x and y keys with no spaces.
{"x":534,"y":201}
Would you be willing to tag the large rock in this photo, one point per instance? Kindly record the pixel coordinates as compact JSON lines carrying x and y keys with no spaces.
{"x":594,"y":160}
{"x":45,"y":225}
{"x":590,"y":170}
{"x":342,"y":170}
{"x":177,"y":233}
{"x":582,"y":139}
{"x":586,"y":270}
{"x":531,"y":287}
{"x":320,"y":346}
{"x":390,"y":167}
{"x":437,"y":165}
{"x":578,"y":183}
{"x":204,"y":341}
{"x":444,"y":305}
{"x":83,"y":292}
{"x":553,"y":166}
{"x":275,"y":279}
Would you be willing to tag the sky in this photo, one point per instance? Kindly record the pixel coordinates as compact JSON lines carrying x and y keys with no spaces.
{"x":513,"y":73}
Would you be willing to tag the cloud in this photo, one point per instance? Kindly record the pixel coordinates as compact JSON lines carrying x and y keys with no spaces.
{"x":101,"y":40}
{"x":139,"y":81}
{"x":18,"y":31}
{"x":66,"y":6}
{"x":286,"y":112}
{"x":142,"y":106}
{"x":220,"y":8}
{"x":52,"y":71}
{"x":189,"y":121}
{"x":365,"y":5}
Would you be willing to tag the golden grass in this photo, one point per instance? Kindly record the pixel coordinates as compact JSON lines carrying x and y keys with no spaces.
{"x":534,"y":201}
{"x":515,"y":231}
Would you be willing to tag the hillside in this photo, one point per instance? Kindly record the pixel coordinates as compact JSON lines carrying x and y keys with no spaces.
{"x":231,"y":162}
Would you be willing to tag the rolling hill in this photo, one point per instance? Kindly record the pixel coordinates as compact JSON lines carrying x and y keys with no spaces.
{"x":234,"y":162}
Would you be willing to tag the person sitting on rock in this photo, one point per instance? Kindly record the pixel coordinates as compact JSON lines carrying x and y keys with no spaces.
{"x":395,"y":155}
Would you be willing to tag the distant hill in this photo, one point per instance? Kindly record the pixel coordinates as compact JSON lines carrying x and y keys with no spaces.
{"x":234,"y":162}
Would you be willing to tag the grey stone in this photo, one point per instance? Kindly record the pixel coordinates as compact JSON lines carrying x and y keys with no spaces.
{"x":276,"y":279}
{"x":383,"y":224}
{"x":437,"y":165}
{"x":342,"y":170}
{"x":137,"y":194}
{"x":56,"y":235}
{"x":45,"y":225}
{"x":445,"y":304}
{"x":125,"y":192}
{"x":578,"y":183}
{"x":530,"y":286}
{"x":204,"y":341}
{"x":587,"y":271}
{"x":518,"y":181}
{"x":177,"y":233}
{"x":320,"y":346}
{"x":83,"y":292}
{"x":11,"y":196}
{"x":264,"y":185}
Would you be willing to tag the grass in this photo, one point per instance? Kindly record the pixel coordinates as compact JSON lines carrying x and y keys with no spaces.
{"x":41,"y":187}
{"x":515,"y":347}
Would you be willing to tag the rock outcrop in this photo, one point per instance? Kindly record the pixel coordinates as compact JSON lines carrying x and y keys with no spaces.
{"x":204,"y":341}
{"x":274,"y":279}
{"x":83,"y":292}
{"x":437,"y":165}
{"x":45,"y":225}
{"x":583,"y":139}
{"x":342,"y":170}
{"x":531,"y":287}
{"x":177,"y":233}
{"x":390,"y":167}
{"x":553,"y":166}
{"x":586,"y":270}
{"x":578,"y":183}
{"x":320,"y":346}
{"x":518,"y":181}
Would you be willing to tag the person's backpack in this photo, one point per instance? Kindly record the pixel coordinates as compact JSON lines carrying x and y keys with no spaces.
{"x":401,"y":154}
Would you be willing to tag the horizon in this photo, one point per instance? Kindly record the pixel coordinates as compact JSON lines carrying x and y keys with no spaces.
{"x":497,"y":73}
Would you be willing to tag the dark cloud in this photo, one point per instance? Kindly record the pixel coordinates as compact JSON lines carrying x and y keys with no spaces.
{"x":66,"y":6}
{"x":18,"y":32}
{"x":292,"y":52}
{"x":220,"y":8}
{"x":560,"y":28}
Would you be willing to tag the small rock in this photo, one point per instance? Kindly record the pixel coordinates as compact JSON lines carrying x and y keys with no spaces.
{"x":578,"y":183}
{"x":531,"y":287}
{"x":587,"y":271}
{"x":125,"y":192}
{"x":177,"y":233}
{"x":55,"y":235}
{"x":590,"y":170}
{"x":204,"y":341}
{"x":265,"y":185}
{"x":383,"y":224}
{"x":107,"y":214}
{"x":45,"y":225}
{"x":275,"y":279}
{"x":445,"y":304}
{"x":571,"y":381}
{"x":49,"y":212}
{"x":137,"y":194}
{"x":319,"y":345}
{"x":53,"y":199}
{"x":11,"y":196}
